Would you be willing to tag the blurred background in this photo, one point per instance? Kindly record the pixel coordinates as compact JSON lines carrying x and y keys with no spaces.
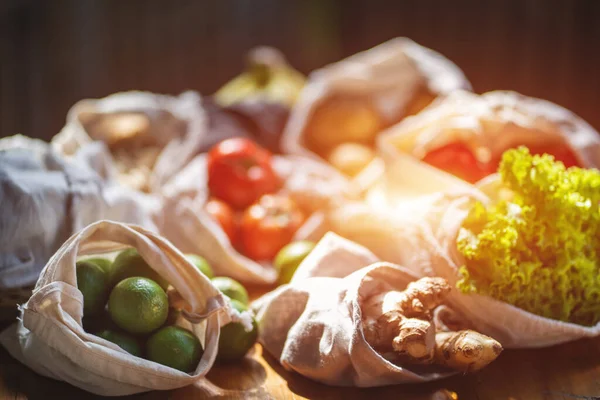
{"x":54,"y":53}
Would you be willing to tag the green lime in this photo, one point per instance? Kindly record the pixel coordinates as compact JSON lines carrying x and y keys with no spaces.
{"x":231,"y":288}
{"x":138,"y":305}
{"x":289,"y":258}
{"x":130,"y":263}
{"x":92,"y":281}
{"x":123,"y":340}
{"x":174,"y":347}
{"x":234,"y":341}
{"x":103,"y":263}
{"x":201,"y":264}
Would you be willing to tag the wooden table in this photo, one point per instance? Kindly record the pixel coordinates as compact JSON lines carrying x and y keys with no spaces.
{"x":569,"y":371}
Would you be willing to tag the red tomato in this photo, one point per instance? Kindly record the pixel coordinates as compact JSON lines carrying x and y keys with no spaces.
{"x":240,"y":171}
{"x":223,"y":214}
{"x":268,"y":225}
{"x":457,"y":159}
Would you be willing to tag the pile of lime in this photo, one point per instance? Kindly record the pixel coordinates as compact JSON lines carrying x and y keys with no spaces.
{"x":125,"y":302}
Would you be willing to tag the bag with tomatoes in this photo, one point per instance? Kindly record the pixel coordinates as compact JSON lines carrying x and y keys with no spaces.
{"x":56,"y":337}
{"x":345,"y":105}
{"x":465,"y":134}
{"x":239,"y":205}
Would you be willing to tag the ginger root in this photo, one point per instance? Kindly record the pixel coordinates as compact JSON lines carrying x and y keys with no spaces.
{"x":402,"y":322}
{"x":466,"y":351}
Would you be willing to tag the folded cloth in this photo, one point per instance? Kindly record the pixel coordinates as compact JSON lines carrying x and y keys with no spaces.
{"x":45,"y":199}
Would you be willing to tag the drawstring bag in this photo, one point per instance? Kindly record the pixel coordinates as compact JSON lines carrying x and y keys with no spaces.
{"x":49,"y":337}
{"x":379,"y":87}
{"x":150,"y":136}
{"x":313,"y":325}
{"x":489,"y":124}
{"x":412,"y":216}
{"x":315,"y":187}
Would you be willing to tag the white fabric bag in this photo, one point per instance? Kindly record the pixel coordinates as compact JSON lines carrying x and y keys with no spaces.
{"x":315,"y":187}
{"x":44,"y":199}
{"x":492,"y":122}
{"x":393,"y":75}
{"x":510,"y":325}
{"x":412,"y":217}
{"x":151,"y":136}
{"x":314,"y":325}
{"x":49,"y":337}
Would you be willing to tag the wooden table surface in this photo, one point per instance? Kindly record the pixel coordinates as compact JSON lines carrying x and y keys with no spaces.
{"x":568,"y":371}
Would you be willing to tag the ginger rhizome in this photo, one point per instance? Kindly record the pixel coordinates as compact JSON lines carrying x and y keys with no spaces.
{"x":402,"y":322}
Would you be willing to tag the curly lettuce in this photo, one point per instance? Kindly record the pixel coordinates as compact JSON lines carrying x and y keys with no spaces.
{"x":540,"y":251}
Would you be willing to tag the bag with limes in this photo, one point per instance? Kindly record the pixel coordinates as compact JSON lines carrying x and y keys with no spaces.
{"x":147,"y":319}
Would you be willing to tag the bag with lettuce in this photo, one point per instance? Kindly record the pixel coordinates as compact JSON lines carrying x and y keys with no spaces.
{"x":525,"y":261}
{"x":522,"y":253}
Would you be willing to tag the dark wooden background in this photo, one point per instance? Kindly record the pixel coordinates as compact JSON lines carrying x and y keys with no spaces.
{"x":53,"y":53}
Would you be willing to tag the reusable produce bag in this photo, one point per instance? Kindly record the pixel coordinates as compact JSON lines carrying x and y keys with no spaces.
{"x":492,"y":122}
{"x":314,"y":325}
{"x":44,"y":200}
{"x":313,"y":186}
{"x":412,"y":218}
{"x":150,"y":136}
{"x":49,"y":337}
{"x":397,"y":77}
{"x":510,"y":325}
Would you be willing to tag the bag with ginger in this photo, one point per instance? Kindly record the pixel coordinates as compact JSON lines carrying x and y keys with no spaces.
{"x":354,"y":99}
{"x":327,"y":323}
{"x":49,"y":337}
{"x":316,"y":188}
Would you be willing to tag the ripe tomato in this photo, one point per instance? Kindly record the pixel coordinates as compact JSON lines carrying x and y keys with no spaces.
{"x":240,"y":171}
{"x":457,"y":159}
{"x":268,"y":225}
{"x":223,"y":214}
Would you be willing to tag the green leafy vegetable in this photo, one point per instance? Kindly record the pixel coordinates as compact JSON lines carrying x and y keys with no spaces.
{"x":540,"y":251}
